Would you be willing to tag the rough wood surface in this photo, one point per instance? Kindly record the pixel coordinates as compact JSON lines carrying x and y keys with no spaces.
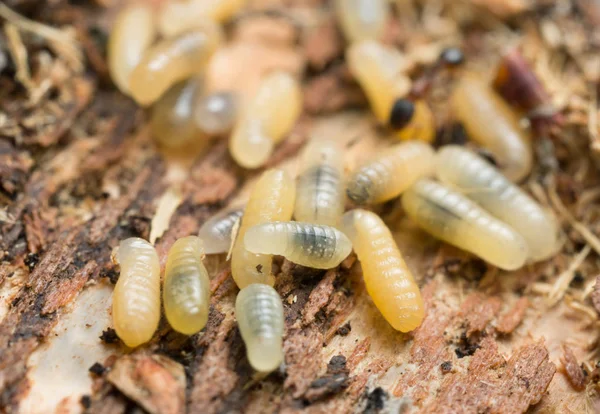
{"x":79,"y":172}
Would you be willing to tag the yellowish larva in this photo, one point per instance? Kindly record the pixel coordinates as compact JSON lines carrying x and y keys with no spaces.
{"x":391,"y":172}
{"x":266,"y":119}
{"x":136,"y":298}
{"x":271,"y":199}
{"x":388,"y":279}
{"x":132,"y":34}
{"x":362,"y":19}
{"x":259,"y":313}
{"x":186,"y":290}
{"x":492,"y":123}
{"x":470,"y":174}
{"x":379,"y":71}
{"x":311,"y":245}
{"x":450,"y":216}
{"x":172,"y":118}
{"x":177,"y":16}
{"x":216,"y":232}
{"x":320,"y":197}
{"x":173,"y":60}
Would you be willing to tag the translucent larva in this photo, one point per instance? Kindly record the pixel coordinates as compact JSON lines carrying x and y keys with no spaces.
{"x":391,"y":172}
{"x":216,"y":232}
{"x":136,"y":298}
{"x":320,"y":197}
{"x":179,"y":16}
{"x":259,"y":313}
{"x":450,"y":216}
{"x":186,"y":290}
{"x":379,"y":71}
{"x":311,"y":245}
{"x":216,"y":113}
{"x":271,"y":199}
{"x":412,"y":120}
{"x":465,"y":171}
{"x":171,"y":61}
{"x":266,"y":119}
{"x":172,"y":117}
{"x":490,"y":122}
{"x":362,"y":19}
{"x":388,"y":279}
{"x":132,"y":34}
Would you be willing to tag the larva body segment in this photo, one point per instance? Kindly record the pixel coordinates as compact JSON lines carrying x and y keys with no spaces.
{"x":311,"y":245}
{"x":216,"y":232}
{"x":362,"y":19}
{"x":391,"y":172}
{"x":178,"y":16}
{"x":481,"y":182}
{"x":216,"y":113}
{"x":132,"y":34}
{"x":490,"y":122}
{"x":266,"y":119}
{"x":172,"y":117}
{"x":388,"y":279}
{"x":171,"y":61}
{"x":271,"y":199}
{"x":320,"y":197}
{"x":136,"y":298}
{"x":186,"y":290}
{"x":450,"y":216}
{"x":259,"y":313}
{"x":379,"y":71}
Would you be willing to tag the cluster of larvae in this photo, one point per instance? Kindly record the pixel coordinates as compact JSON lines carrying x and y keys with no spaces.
{"x":453,"y":194}
{"x":168,"y":74}
{"x":473,"y":206}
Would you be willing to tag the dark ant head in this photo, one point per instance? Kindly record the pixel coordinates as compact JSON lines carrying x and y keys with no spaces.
{"x":402,"y":112}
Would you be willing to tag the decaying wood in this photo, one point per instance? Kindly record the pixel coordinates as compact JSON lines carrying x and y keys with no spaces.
{"x":79,"y":172}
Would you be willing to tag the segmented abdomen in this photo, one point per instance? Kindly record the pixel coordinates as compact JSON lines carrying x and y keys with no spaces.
{"x":186,"y":291}
{"x":450,"y":216}
{"x":484,"y":184}
{"x":312,"y":245}
{"x":136,"y":298}
{"x":320,"y":197}
{"x":388,"y":280}
{"x":391,"y":173}
{"x":259,"y":313}
{"x":216,"y":232}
